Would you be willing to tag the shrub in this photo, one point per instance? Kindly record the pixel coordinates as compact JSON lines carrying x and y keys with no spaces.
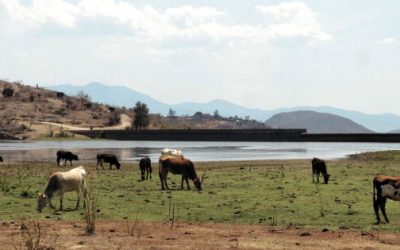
{"x":8,"y":92}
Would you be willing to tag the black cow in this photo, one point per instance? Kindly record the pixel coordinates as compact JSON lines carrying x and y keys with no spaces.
{"x":319,"y":167}
{"x":67,"y":156}
{"x":1,"y":159}
{"x":145,"y":167}
{"x":108,"y":158}
{"x":178,"y":165}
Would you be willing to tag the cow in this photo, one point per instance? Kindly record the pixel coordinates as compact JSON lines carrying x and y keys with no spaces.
{"x":1,"y":159}
{"x":67,"y":156}
{"x":319,"y":167}
{"x":108,"y":158}
{"x":145,"y":167}
{"x":170,"y":151}
{"x":178,"y":165}
{"x":384,"y":187}
{"x":61,"y":182}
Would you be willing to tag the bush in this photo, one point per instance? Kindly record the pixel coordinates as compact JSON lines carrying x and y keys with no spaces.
{"x":8,"y":92}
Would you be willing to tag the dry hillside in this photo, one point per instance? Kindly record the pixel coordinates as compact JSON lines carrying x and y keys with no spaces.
{"x":24,"y":110}
{"x":32,"y":112}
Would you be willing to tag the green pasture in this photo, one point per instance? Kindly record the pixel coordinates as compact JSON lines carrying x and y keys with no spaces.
{"x":273,"y":193}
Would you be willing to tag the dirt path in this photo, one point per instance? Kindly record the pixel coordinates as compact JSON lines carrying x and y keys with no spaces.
{"x":124,"y":123}
{"x":131,"y":235}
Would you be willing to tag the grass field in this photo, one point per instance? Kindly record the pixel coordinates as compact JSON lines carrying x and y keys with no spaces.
{"x":272,"y":193}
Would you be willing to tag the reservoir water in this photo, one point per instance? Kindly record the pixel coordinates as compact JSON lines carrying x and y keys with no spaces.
{"x":45,"y":151}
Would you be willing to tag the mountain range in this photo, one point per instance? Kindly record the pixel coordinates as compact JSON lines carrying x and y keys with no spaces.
{"x":123,"y":96}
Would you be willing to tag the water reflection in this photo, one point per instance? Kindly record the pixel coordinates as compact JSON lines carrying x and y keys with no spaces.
{"x":127,"y":151}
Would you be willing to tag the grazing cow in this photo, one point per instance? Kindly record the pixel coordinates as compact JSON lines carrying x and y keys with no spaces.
{"x":319,"y":167}
{"x":61,"y":182}
{"x":1,"y":159}
{"x":178,"y":165}
{"x":67,"y":156}
{"x":385,"y":187}
{"x":108,"y":158}
{"x":170,"y":151}
{"x":145,"y":167}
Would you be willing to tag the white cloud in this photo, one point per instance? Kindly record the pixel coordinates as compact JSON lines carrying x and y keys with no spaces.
{"x":293,"y":19}
{"x":388,"y":40}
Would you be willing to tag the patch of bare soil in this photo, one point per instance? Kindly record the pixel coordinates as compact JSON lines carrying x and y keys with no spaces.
{"x":183,"y":235}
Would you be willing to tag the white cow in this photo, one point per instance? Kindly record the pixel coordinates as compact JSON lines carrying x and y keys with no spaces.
{"x":61,"y":182}
{"x":170,"y":151}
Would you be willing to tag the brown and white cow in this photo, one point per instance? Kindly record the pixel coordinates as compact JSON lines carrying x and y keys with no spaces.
{"x":61,"y":182}
{"x":178,"y":165}
{"x":385,"y":187}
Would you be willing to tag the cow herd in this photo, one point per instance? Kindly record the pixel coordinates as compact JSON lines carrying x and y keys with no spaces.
{"x":172,"y":160}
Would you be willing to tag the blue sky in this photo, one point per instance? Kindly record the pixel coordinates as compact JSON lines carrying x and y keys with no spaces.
{"x":262,"y":54}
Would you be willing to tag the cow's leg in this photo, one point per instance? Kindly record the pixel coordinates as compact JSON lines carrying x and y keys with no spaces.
{"x":142,"y":173}
{"x":58,"y":161}
{"x":78,"y":193}
{"x":376,"y":209}
{"x":51,"y":205}
{"x":165,"y":179}
{"x":182,"y":181}
{"x":382,"y":205}
{"x":61,"y":200}
{"x":70,"y":163}
{"x":150,"y":174}
{"x":161,"y":180}
{"x":187,"y":183}
{"x":110,"y":166}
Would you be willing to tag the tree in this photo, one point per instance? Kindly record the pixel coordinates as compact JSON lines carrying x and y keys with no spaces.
{"x":142,"y":118}
{"x":171,"y":112}
{"x":216,"y":114}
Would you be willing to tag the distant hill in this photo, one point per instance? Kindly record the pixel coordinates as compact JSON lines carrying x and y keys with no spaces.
{"x":123,"y":96}
{"x":315,"y":122}
{"x":396,"y":131}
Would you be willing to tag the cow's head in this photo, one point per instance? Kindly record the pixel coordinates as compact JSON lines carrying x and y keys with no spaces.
{"x":197,"y":183}
{"x":118,"y":165}
{"x":41,"y":202}
{"x":75,"y":157}
{"x":326,"y":178}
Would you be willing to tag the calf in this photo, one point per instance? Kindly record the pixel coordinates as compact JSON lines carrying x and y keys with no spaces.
{"x":384,"y":187}
{"x":67,"y":156}
{"x":319,"y":167}
{"x":108,"y":158}
{"x":61,"y":182}
{"x":145,"y":167}
{"x":178,"y":165}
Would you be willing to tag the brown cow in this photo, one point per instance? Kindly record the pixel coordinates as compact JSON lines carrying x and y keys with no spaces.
{"x":385,"y":187}
{"x":178,"y":165}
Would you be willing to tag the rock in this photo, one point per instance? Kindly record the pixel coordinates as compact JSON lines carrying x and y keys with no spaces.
{"x":305,"y":234}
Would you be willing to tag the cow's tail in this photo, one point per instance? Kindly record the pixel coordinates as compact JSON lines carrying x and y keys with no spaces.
{"x":374,"y":198}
